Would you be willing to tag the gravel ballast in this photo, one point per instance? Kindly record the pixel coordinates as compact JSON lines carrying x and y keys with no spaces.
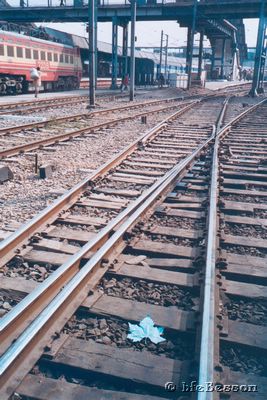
{"x":72,"y":161}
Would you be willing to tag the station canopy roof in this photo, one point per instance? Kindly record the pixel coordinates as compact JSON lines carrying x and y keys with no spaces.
{"x":80,"y":41}
{"x":61,"y":37}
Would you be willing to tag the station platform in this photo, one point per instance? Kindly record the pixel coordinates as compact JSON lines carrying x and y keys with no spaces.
{"x":48,"y":95}
{"x":215,"y":85}
{"x":82,"y":92}
{"x":210,"y":85}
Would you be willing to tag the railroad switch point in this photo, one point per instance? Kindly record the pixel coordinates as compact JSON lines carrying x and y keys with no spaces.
{"x":5,"y":173}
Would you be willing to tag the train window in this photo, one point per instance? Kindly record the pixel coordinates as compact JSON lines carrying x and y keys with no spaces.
{"x":28,"y":53}
{"x":19,"y":52}
{"x":71,"y":59}
{"x":2,"y":52}
{"x":55,"y":57}
{"x":49,"y":56}
{"x":66,"y":59}
{"x":43,"y":55}
{"x":61,"y":58}
{"x":10,"y":51}
{"x":35,"y":54}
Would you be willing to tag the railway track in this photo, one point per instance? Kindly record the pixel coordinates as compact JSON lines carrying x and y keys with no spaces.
{"x":136,"y":263}
{"x":165,"y":151}
{"x":29,"y":107}
{"x":47,"y":131}
{"x":75,"y":125}
{"x":241,"y":258}
{"x":34,"y":105}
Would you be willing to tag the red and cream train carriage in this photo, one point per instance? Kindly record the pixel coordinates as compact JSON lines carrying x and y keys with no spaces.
{"x":60,"y":64}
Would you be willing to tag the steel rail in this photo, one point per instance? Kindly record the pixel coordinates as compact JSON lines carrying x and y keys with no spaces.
{"x":12,"y":129}
{"x":206,"y":360}
{"x":40,"y":107}
{"x":9,"y":245}
{"x":124,"y":220}
{"x":38,"y":144}
{"x":222,"y":114}
{"x":40,"y":101}
{"x":60,"y":99}
{"x":208,"y":323}
{"x":95,"y":112}
{"x":76,"y":284}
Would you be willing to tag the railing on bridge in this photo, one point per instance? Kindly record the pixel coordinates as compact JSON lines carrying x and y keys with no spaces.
{"x":84,"y":3}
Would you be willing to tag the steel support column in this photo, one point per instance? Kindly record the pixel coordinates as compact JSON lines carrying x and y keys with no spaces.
{"x":222,"y":58}
{"x":188,"y":49}
{"x":114,"y":72}
{"x":91,"y":21}
{"x":262,"y":68}
{"x":200,"y":55}
{"x":236,"y":57}
{"x":96,"y":6}
{"x":125,"y":49}
{"x":191,"y":44}
{"x":259,"y":51}
{"x":213,"y":50}
{"x":132,"y":69}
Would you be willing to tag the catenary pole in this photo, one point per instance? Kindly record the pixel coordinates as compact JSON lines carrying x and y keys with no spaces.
{"x":166,"y":58}
{"x":160,"y":53}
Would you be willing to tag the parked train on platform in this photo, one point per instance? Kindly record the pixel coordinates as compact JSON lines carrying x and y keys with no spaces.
{"x":60,"y":64}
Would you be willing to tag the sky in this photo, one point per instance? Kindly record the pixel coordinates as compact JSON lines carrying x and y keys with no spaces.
{"x":148,"y":33}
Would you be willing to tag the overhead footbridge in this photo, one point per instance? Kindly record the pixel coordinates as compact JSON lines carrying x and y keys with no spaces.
{"x":224,"y":36}
{"x":147,"y":10}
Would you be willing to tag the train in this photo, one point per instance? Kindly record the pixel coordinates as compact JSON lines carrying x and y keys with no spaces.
{"x":60,"y":64}
{"x":63,"y":60}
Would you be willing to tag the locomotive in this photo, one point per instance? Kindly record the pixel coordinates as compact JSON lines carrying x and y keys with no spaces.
{"x":60,"y":64}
